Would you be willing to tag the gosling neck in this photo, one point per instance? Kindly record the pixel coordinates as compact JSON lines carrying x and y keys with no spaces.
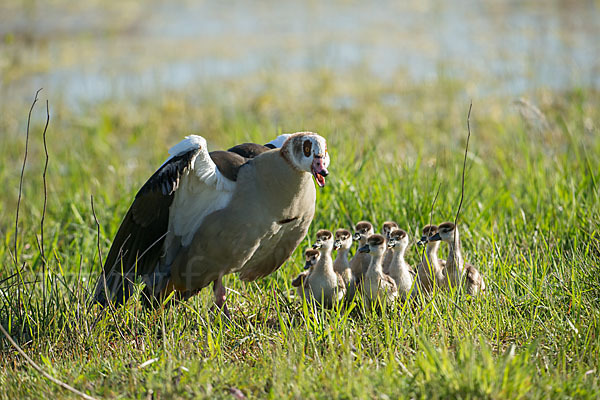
{"x":455,"y":262}
{"x":398,"y":256}
{"x":325,"y":263}
{"x":431,"y":254}
{"x":342,"y":254}
{"x":376,"y":259}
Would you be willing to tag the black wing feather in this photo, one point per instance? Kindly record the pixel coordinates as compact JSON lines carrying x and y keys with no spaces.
{"x":249,"y":150}
{"x":138,"y":244}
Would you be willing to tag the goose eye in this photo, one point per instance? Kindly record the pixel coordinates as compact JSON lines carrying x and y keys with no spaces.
{"x":307,"y":147}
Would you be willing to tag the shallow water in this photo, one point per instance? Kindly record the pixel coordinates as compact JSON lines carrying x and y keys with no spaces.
{"x":91,"y":52}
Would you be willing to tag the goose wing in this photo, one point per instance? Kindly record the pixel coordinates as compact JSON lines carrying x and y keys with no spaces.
{"x":165,"y":213}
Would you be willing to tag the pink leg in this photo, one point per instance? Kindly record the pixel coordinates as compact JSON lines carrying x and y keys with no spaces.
{"x":219,"y":291}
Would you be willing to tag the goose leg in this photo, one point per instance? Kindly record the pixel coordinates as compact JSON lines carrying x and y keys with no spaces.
{"x":219,"y":291}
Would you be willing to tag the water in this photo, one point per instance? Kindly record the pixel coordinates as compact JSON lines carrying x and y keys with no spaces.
{"x":91,"y":52}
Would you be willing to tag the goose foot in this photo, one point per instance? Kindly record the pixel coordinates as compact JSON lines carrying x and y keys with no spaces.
{"x":220,"y":294}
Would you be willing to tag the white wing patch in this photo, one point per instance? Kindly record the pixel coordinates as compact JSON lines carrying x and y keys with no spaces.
{"x":201,"y":192}
{"x":279,"y":140}
{"x":192,"y":142}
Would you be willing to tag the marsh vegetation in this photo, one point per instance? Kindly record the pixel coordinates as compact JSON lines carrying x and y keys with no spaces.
{"x":530,"y":221}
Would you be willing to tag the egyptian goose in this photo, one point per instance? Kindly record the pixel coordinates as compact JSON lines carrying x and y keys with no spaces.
{"x":311,"y":257}
{"x":474,"y":283}
{"x":386,"y":229}
{"x":204,"y":215}
{"x":455,"y":263}
{"x":430,"y":271}
{"x":377,"y":287}
{"x":360,"y":262}
{"x":341,"y":265}
{"x":326,"y":286}
{"x":400,"y":270}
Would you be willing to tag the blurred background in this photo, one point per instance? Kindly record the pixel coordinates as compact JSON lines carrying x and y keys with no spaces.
{"x":92,"y":50}
{"x":387,"y":83}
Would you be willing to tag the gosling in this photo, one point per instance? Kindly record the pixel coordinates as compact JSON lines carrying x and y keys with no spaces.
{"x":326,"y":286}
{"x":360,"y":262}
{"x":378,"y":288}
{"x":430,"y":271}
{"x":311,"y":257}
{"x":341,"y":265}
{"x":400,"y":271}
{"x":386,"y":229}
{"x":455,"y":264}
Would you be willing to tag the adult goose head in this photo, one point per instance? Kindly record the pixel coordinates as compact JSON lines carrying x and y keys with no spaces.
{"x":307,"y":152}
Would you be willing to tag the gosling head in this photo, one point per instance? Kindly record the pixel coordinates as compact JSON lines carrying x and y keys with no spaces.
{"x":311,"y":257}
{"x":363,"y":230}
{"x":343,"y":239}
{"x":375,"y":245}
{"x":426,"y":233}
{"x":398,"y":240}
{"x":445,"y":233}
{"x":324,"y":240}
{"x":387,"y":228}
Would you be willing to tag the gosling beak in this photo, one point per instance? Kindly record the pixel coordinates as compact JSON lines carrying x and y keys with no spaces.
{"x":356,"y":236}
{"x":337,"y":245}
{"x":364,"y":249}
{"x":434,"y":238}
{"x":317,"y":245}
{"x":423,"y":241}
{"x":307,"y":265}
{"x":391,"y":244}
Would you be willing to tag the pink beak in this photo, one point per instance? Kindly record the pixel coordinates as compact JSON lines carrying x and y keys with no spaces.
{"x":319,"y":170}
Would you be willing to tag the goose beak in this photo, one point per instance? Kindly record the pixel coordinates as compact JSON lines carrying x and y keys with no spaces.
{"x":356,"y":236}
{"x":364,"y":249}
{"x":337,"y":245}
{"x":434,"y":238}
{"x":319,"y":170}
{"x":317,"y":244}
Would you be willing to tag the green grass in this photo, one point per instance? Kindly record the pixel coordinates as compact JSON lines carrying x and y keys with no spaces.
{"x":530,"y":221}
